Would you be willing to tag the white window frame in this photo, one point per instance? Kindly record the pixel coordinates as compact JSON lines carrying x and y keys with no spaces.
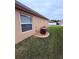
{"x":22,"y":14}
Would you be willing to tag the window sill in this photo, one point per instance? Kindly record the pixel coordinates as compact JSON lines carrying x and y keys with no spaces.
{"x":27,"y":31}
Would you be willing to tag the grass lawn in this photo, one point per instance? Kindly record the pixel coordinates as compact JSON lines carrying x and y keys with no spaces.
{"x":38,"y":48}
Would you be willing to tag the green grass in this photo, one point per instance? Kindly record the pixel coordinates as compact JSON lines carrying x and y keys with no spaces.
{"x":38,"y":48}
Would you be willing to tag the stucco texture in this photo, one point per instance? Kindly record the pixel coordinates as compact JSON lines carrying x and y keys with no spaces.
{"x":37,"y":23}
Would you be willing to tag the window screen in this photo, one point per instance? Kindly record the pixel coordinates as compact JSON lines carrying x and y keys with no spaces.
{"x":26,"y":23}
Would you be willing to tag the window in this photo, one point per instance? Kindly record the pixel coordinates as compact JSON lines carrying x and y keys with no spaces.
{"x":26,"y":22}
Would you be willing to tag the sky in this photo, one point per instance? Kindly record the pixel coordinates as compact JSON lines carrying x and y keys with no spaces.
{"x":52,"y":9}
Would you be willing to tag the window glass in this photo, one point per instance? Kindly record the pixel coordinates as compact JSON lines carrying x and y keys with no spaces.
{"x":26,"y":19}
{"x":26,"y":23}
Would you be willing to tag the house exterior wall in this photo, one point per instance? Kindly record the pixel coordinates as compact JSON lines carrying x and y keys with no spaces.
{"x":37,"y":23}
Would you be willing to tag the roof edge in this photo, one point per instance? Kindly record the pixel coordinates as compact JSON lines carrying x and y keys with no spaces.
{"x":28,"y":10}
